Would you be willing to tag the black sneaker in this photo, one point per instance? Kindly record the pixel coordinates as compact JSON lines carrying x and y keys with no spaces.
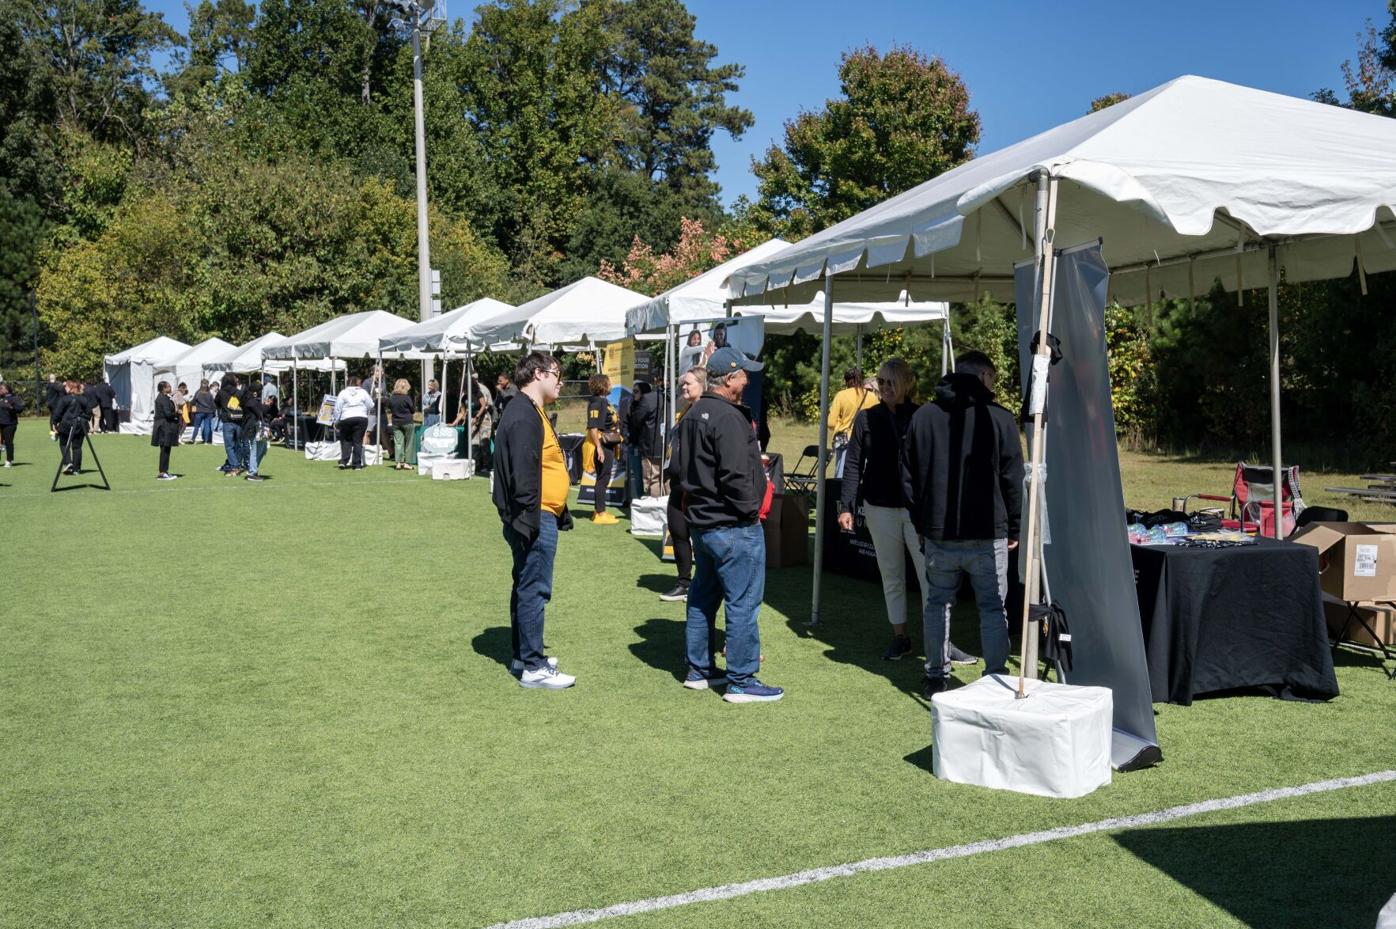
{"x":901,"y":645}
{"x":680,"y":592}
{"x":254,"y":477}
{"x":960,"y":656}
{"x":934,"y":685}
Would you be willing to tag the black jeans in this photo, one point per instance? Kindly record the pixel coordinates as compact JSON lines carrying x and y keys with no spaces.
{"x":605,"y":460}
{"x":678,"y":535}
{"x":70,"y":438}
{"x":7,"y":439}
{"x":164,"y":459}
{"x":351,"y":441}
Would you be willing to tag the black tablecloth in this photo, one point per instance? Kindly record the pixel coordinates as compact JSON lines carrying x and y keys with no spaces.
{"x":1233,"y":618}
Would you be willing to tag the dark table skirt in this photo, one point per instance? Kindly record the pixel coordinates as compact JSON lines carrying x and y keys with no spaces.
{"x":1247,"y":617}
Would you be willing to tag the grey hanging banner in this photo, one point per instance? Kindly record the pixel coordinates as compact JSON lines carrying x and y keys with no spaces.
{"x":1089,"y":571}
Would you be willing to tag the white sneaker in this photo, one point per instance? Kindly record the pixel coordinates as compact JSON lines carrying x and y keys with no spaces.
{"x":7,"y":464}
{"x":546,"y":678}
{"x":516,"y":666}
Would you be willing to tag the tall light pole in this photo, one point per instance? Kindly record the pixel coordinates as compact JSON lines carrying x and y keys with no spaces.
{"x":422,"y":17}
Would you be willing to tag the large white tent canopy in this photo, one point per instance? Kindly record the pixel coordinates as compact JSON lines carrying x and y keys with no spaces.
{"x":586,"y":312}
{"x":192,"y":366}
{"x":132,"y":375}
{"x":353,"y":336}
{"x":1186,"y":183}
{"x":1192,"y":182}
{"x":445,"y":333}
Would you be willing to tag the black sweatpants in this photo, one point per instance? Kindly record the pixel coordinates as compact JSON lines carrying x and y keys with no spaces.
{"x":164,"y":459}
{"x":71,"y":440}
{"x":7,"y":439}
{"x":678,"y":534}
{"x":605,"y":460}
{"x":351,"y":441}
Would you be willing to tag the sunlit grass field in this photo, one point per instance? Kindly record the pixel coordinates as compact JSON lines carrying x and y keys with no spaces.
{"x":232,"y":705}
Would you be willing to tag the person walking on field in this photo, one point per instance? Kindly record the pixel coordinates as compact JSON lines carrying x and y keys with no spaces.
{"x":530,"y":492}
{"x":10,"y":408}
{"x":229,"y":401}
{"x":872,"y":474}
{"x":254,"y":413}
{"x":645,"y":439}
{"x":723,"y":483}
{"x":692,"y":386}
{"x":352,"y":408}
{"x":962,"y":477}
{"x":842,"y":408}
{"x":165,"y":433}
{"x":71,"y":415}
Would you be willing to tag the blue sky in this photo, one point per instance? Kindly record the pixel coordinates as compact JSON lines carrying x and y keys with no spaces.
{"x":1028,"y":66}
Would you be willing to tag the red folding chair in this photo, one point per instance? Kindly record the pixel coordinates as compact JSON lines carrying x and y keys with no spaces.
{"x":1252,"y":500}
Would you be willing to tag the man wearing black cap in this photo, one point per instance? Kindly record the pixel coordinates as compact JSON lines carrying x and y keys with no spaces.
{"x":718,"y":471}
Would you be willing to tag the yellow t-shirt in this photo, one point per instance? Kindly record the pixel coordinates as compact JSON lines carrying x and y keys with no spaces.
{"x":845,"y":406}
{"x":556,"y":481}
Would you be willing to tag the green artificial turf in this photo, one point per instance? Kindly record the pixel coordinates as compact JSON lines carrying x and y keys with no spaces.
{"x":229,"y":705}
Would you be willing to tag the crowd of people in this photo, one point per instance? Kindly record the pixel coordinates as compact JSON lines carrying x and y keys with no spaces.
{"x":941,"y":481}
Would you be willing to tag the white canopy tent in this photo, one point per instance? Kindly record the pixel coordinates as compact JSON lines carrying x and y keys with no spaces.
{"x":586,"y":312}
{"x":191,"y":366}
{"x":132,"y":375}
{"x":705,"y":298}
{"x":246,"y":358}
{"x":448,"y":335}
{"x":354,"y":335}
{"x":1194,"y":181}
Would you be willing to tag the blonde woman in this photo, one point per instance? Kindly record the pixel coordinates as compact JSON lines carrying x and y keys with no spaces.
{"x":872,"y":473}
{"x":403,"y":412}
{"x":691,"y":386}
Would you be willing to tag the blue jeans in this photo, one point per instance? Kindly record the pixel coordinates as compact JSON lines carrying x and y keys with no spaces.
{"x":533,"y":588}
{"x":232,"y":445}
{"x":986,"y":563}
{"x":730,"y":570}
{"x":203,"y":427}
{"x":249,"y":453}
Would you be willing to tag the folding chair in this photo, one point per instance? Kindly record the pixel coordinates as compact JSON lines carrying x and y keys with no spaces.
{"x":1252,"y":499}
{"x":804,"y":478}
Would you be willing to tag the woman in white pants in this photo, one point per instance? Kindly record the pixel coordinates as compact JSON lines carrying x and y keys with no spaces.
{"x":873,"y":474}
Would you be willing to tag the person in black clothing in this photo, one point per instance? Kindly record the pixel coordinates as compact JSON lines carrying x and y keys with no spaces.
{"x":643,"y":435}
{"x":72,"y":414}
{"x":253,"y":415}
{"x":93,"y":396}
{"x":53,"y":395}
{"x":601,"y":425}
{"x":229,"y":403}
{"x":403,"y":411}
{"x":504,"y":392}
{"x":10,"y":408}
{"x":872,"y":475}
{"x":106,"y":398}
{"x":167,"y":428}
{"x":962,"y":477}
{"x":719,"y":472}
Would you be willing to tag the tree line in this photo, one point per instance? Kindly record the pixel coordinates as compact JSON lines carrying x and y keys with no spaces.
{"x":258,"y":174}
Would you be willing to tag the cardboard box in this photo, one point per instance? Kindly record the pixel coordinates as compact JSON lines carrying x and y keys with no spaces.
{"x":787,"y":532}
{"x":1356,"y":561}
{"x":1380,"y":617}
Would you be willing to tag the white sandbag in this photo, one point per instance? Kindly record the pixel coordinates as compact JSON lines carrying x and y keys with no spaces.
{"x":452,"y":469}
{"x":649,"y":516}
{"x":1055,"y":742}
{"x":329,"y":451}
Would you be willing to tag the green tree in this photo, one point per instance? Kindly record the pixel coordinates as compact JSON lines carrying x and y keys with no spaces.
{"x":219,"y":42}
{"x":902,"y":119}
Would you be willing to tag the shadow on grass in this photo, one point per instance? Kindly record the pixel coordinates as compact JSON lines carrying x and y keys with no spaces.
{"x":658,"y":583}
{"x":661,"y":645}
{"x":1317,"y":872}
{"x":496,"y":642}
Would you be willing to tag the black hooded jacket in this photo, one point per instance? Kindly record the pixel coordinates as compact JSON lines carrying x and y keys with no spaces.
{"x":962,"y":465}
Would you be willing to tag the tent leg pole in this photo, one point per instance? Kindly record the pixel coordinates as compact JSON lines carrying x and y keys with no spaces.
{"x":1275,"y":391}
{"x":295,"y":405}
{"x":1045,"y":228}
{"x":821,"y":469}
{"x":468,"y":374}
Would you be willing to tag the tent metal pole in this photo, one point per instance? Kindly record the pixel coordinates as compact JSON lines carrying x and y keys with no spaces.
{"x":468,"y":373}
{"x":821,"y":469}
{"x":378,"y":407}
{"x":1045,"y":226}
{"x":295,"y":404}
{"x":1275,"y":391}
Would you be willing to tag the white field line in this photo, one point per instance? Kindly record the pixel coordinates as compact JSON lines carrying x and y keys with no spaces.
{"x":816,"y":875}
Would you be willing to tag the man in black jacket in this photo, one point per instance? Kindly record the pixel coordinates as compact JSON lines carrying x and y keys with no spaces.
{"x":53,"y":395}
{"x":530,"y":491}
{"x":718,"y":470}
{"x":962,"y":474}
{"x":642,"y":432}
